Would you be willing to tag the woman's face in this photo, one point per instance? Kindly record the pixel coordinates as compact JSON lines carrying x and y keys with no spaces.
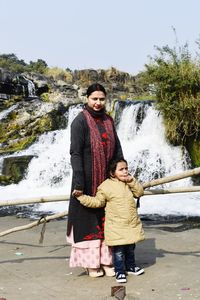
{"x":96,"y":100}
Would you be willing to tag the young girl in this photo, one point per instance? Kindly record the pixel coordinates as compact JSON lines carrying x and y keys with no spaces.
{"x":123,"y":227}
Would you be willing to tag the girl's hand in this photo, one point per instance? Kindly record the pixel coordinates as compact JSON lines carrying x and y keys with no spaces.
{"x":129,"y":178}
{"x":77,"y":193}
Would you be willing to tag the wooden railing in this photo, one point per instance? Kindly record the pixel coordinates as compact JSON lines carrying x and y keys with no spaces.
{"x":55,"y":198}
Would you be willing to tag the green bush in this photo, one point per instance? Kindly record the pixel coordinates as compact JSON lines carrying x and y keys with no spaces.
{"x":176,"y":77}
{"x":59,"y":74}
{"x":13,"y":64}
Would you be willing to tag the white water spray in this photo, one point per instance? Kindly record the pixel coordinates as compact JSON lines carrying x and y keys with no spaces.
{"x":4,"y":113}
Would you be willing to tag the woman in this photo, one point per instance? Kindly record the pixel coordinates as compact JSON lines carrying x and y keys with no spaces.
{"x":94,"y":143}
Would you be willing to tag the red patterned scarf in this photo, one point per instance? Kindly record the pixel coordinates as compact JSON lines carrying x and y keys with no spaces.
{"x":100,"y":160}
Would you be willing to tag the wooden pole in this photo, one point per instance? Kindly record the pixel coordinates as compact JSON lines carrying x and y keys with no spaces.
{"x":35,"y":223}
{"x":66,"y":198}
{"x":35,"y":200}
{"x":172,"y":191}
{"x":167,"y":179}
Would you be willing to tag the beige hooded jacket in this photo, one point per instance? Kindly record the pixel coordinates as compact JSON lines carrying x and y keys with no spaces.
{"x":122,"y":223}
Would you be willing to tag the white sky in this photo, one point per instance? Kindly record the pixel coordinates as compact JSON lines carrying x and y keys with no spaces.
{"x":79,"y":34}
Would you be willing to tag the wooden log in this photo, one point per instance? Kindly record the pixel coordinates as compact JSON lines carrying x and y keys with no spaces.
{"x":35,"y":223}
{"x":66,"y":198}
{"x":172,"y":190}
{"x":167,"y":179}
{"x":34,"y":200}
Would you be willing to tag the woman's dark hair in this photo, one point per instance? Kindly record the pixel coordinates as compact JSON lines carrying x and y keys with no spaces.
{"x":113,"y":165}
{"x":95,"y":87}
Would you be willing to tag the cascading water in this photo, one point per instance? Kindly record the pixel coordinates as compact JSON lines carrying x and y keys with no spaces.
{"x":49,"y":172}
{"x":149,"y":155}
{"x":141,"y":132}
{"x":4,"y":113}
{"x":31,"y":88}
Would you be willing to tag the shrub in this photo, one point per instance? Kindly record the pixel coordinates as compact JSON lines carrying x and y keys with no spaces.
{"x":59,"y":74}
{"x":176,"y":77}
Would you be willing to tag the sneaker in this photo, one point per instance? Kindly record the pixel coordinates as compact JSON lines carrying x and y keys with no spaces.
{"x":135,"y":271}
{"x":120,"y":277}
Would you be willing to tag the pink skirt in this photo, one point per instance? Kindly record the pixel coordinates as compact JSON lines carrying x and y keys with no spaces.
{"x":89,"y":254}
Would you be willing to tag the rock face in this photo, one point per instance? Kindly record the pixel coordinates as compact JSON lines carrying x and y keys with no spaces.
{"x":33,"y":85}
{"x":14,"y":84}
{"x":14,"y":168}
{"x":27,"y":121}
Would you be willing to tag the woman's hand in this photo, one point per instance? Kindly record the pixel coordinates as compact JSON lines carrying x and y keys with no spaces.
{"x":77,"y":193}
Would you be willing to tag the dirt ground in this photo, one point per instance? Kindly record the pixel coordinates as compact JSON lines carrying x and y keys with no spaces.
{"x":33,"y":271}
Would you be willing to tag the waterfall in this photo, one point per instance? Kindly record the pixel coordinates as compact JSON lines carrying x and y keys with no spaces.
{"x":141,"y":131}
{"x":4,"y":113}
{"x":31,"y":88}
{"x":27,"y":85}
{"x":150,"y":156}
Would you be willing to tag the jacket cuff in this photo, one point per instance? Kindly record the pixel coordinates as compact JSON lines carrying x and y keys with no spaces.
{"x":78,"y":187}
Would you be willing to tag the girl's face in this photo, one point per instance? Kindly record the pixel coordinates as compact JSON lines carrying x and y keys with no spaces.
{"x":96,"y":100}
{"x":121,"y":171}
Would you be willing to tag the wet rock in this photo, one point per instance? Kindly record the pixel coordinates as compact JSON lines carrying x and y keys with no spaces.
{"x":15,"y":167}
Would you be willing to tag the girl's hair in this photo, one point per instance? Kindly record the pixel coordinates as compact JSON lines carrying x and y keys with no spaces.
{"x":113,"y":166}
{"x":95,"y":87}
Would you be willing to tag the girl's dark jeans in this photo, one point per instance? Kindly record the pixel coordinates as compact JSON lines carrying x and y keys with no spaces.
{"x":123,"y":257}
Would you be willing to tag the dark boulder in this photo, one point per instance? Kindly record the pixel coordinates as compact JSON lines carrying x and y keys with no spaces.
{"x":15,"y":167}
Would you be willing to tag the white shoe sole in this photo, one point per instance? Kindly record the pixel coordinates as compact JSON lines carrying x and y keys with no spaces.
{"x":121,"y":280}
{"x":136,"y":273}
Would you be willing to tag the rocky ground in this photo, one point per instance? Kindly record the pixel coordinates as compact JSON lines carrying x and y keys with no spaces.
{"x":29,"y":270}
